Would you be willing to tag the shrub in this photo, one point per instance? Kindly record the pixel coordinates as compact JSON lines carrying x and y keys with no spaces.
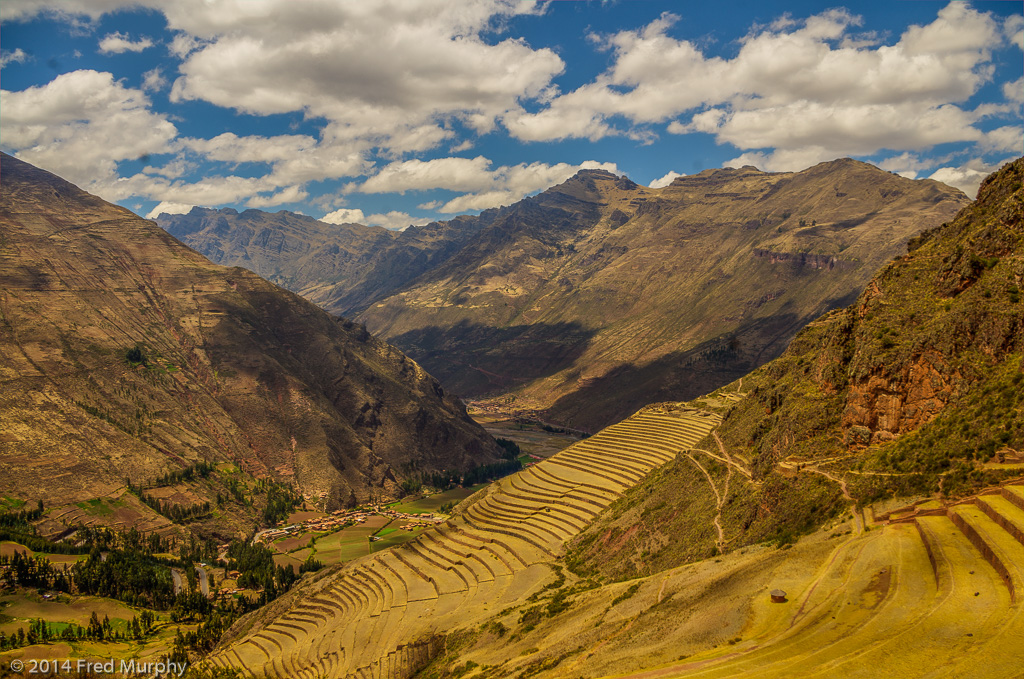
{"x":135,"y":356}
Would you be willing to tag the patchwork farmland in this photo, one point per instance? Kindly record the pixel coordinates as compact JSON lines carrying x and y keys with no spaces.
{"x":493,"y":555}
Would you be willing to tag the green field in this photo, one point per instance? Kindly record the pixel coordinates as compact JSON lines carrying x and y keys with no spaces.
{"x":96,"y":507}
{"x":351,"y":542}
{"x":8,"y":549}
{"x":395,"y":538}
{"x":11,"y":503}
{"x":345,"y":545}
{"x":354,"y":541}
{"x":433,"y":503}
{"x":65,"y":608}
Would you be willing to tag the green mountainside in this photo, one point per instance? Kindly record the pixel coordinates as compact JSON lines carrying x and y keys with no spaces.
{"x":341,"y":267}
{"x":599,"y":295}
{"x":917,"y":388}
{"x":125,"y":356}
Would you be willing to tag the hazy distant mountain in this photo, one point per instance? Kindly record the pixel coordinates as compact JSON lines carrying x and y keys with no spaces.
{"x":599,"y":295}
{"x":234,"y":368}
{"x":341,"y":267}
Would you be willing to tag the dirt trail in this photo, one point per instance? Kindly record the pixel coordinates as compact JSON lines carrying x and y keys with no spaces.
{"x":841,"y":482}
{"x":859,"y":521}
{"x":719,"y":501}
{"x":728,"y":458}
{"x":732,"y":465}
{"x":791,"y":466}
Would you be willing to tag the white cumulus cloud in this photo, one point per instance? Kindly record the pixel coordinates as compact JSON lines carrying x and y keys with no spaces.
{"x":1014,"y":91}
{"x":153,"y":80}
{"x":391,"y":76}
{"x":483,"y":186}
{"x":395,"y":220}
{"x":807,"y":90}
{"x":294,"y":159}
{"x":662,"y":182}
{"x":80,"y":125}
{"x":345,"y":216}
{"x":169,"y":208}
{"x":389,"y":72}
{"x":117,"y":43}
{"x":966,"y":177}
{"x":18,"y":56}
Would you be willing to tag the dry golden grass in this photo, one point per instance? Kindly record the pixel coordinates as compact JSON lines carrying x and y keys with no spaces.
{"x":878,"y":607}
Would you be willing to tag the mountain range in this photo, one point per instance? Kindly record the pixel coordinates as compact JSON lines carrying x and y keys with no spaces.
{"x":851,"y":508}
{"x":599,"y":295}
{"x":847,"y":506}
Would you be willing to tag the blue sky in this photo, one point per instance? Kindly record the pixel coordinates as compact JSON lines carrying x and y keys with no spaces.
{"x":394,"y":112}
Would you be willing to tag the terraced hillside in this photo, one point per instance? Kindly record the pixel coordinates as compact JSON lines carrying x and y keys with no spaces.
{"x":932,"y":589}
{"x":384,"y":616}
{"x":932,"y":592}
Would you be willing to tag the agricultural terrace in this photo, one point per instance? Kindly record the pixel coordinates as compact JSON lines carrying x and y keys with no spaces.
{"x":380,"y":615}
{"x":928,"y":591}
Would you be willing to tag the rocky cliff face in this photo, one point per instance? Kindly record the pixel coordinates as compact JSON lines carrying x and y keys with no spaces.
{"x":224,"y":366}
{"x":599,"y":295}
{"x":921,"y":373}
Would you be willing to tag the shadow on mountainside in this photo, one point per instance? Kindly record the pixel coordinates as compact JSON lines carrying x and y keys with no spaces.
{"x":681,"y":375}
{"x":473,"y":359}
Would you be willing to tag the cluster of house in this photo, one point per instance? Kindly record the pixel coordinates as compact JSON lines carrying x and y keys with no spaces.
{"x":335,"y":521}
{"x":343,"y":518}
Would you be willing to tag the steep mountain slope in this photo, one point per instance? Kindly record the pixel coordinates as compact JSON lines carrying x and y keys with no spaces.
{"x":927,"y":589}
{"x":915,"y":389}
{"x":123,"y":355}
{"x":340,"y":267}
{"x":600,"y":295}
